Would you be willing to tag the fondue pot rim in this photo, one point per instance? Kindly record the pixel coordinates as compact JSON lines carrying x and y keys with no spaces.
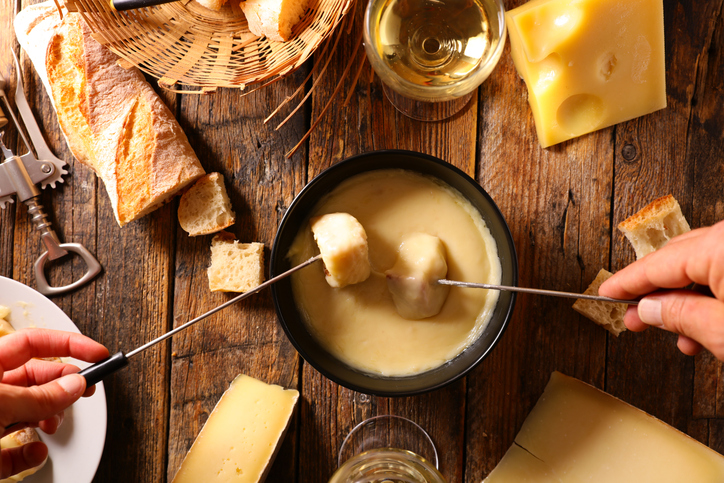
{"x":295,"y":328}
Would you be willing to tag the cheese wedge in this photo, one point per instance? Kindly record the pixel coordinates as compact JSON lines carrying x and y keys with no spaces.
{"x":578,"y":433}
{"x":588,"y":64}
{"x":242,"y":435}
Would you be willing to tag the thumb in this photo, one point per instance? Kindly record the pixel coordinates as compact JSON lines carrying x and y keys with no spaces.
{"x":21,"y":458}
{"x":687,"y":313}
{"x":37,"y":403}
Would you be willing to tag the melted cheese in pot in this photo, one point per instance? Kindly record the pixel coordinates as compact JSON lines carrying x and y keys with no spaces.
{"x":358,"y":323}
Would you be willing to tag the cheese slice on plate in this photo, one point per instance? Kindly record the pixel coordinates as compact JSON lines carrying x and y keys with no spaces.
{"x":588,"y":64}
{"x":577,"y":433}
{"x":240,"y":439}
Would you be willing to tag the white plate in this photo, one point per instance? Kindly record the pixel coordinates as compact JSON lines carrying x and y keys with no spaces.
{"x":76,"y":448}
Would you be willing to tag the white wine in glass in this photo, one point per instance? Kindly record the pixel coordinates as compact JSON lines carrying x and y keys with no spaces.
{"x":433,"y":51}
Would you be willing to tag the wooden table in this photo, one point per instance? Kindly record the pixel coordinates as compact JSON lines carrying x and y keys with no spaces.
{"x":562,"y":205}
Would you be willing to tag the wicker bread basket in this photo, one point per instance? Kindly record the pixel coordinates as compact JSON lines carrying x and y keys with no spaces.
{"x":185,"y":44}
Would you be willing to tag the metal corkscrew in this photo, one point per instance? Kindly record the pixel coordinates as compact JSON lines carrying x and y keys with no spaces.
{"x":19,"y":176}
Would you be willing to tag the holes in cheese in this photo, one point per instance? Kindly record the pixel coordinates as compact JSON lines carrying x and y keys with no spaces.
{"x":581,"y":113}
{"x":547,"y":27}
{"x":242,"y":435}
{"x":588,"y":64}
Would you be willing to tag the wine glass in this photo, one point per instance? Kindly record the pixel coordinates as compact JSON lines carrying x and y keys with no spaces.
{"x":387,"y":448}
{"x":432,"y":54}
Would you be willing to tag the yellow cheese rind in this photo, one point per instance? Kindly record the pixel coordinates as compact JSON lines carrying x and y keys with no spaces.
{"x":240,"y":439}
{"x":578,"y":433}
{"x":588,"y":64}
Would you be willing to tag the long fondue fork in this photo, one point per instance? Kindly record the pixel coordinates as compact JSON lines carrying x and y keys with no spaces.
{"x":537,"y":291}
{"x":95,"y":373}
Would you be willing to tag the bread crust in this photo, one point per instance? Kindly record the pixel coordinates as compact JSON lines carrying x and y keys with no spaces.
{"x":664,"y":204}
{"x":112,"y":119}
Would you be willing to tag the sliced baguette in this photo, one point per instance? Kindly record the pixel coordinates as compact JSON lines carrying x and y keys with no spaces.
{"x":205,"y":208}
{"x":273,"y":18}
{"x":111,"y":117}
{"x":212,"y":4}
{"x":235,"y":267}
{"x":606,"y":314}
{"x":653,"y":226}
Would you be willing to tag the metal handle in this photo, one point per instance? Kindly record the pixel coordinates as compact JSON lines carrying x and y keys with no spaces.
{"x":94,"y":268}
{"x":98,"y":371}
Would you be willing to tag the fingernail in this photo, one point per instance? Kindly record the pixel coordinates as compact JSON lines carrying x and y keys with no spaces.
{"x":59,"y":418}
{"x":72,"y":383}
{"x":650,"y":312}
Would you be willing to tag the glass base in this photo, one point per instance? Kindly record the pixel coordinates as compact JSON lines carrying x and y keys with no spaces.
{"x":426,"y":111}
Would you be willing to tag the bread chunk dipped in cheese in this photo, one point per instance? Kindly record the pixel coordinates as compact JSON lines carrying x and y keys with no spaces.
{"x":412,"y":281}
{"x":342,"y":241}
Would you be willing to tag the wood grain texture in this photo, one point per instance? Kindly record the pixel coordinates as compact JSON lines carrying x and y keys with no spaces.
{"x":227,"y":131}
{"x":557,"y":204}
{"x":674,"y":153}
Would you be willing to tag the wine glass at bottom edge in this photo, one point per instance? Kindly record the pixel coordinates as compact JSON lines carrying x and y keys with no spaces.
{"x":387,"y":449}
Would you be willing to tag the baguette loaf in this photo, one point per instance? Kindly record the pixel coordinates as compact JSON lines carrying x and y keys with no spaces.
{"x":112,"y":119}
{"x":235,"y":267}
{"x":606,"y":314}
{"x":653,"y":226}
{"x":205,"y":208}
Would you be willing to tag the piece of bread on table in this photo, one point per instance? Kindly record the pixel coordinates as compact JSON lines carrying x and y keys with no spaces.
{"x":206,"y":208}
{"x":113,"y":120}
{"x":606,"y":314}
{"x":273,"y":18}
{"x":235,"y":267}
{"x":653,"y":226}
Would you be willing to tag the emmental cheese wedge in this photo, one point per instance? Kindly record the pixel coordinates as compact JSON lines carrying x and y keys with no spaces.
{"x":588,"y":64}
{"x":577,"y":433}
{"x":242,"y":435}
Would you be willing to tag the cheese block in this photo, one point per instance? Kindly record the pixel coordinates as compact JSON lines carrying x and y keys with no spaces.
{"x":577,"y":433}
{"x":588,"y":64}
{"x":240,"y":439}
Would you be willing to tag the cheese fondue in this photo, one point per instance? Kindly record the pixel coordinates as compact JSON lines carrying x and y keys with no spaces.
{"x":359,"y":324}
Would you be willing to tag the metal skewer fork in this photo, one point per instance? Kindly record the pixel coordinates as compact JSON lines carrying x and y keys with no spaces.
{"x":536,"y":291}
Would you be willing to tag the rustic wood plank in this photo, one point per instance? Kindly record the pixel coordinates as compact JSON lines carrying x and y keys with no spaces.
{"x":370,"y":122}
{"x":557,"y":204}
{"x":227,"y":131}
{"x":671,"y":151}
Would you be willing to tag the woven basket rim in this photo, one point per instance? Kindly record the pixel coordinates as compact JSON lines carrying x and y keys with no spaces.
{"x":186,"y":45}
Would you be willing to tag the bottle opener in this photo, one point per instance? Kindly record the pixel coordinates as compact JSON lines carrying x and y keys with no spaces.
{"x":19,"y":176}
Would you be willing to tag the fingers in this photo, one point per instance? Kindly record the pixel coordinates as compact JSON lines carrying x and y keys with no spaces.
{"x":698,"y":318}
{"x":696,"y":256}
{"x":16,"y":349}
{"x":39,"y":403}
{"x":21,"y":458}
